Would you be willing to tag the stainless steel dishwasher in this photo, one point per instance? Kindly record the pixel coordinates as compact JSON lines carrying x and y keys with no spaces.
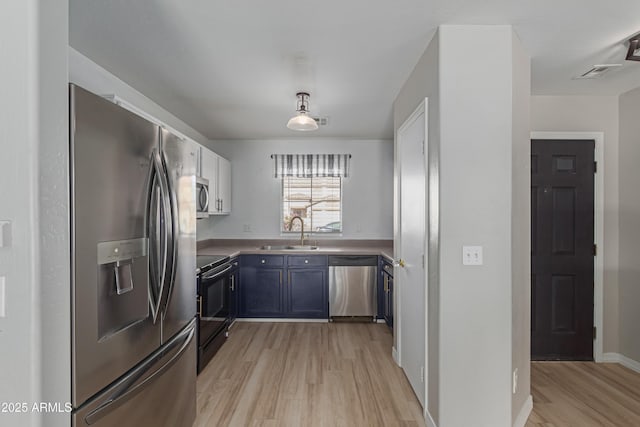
{"x":352,"y":287}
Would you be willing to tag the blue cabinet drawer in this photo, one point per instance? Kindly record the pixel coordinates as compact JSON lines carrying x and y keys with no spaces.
{"x":307,"y":260}
{"x":263,"y":260}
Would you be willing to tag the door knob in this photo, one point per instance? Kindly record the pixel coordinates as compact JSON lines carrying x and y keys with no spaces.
{"x":401,"y":262}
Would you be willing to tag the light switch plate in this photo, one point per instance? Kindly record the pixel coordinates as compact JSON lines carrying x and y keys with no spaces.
{"x":472,"y":255}
{"x":5,"y":234}
{"x":2,"y":310}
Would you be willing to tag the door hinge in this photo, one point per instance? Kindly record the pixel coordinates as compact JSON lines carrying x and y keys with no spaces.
{"x":594,"y":332}
{"x":595,"y":167}
{"x":595,"y":249}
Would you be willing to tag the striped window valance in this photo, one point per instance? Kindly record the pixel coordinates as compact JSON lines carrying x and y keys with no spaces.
{"x":311,"y":165}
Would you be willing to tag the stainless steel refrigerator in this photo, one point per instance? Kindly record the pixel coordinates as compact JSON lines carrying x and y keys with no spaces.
{"x":133,"y":268}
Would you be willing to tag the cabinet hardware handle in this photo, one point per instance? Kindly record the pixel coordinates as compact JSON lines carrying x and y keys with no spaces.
{"x":200,"y":306}
{"x":306,"y":261}
{"x":233,"y":283}
{"x":263,"y":261}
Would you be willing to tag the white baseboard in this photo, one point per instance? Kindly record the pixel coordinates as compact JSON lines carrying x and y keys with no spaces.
{"x":394,"y":354}
{"x":524,"y":413}
{"x":429,"y":420}
{"x":280,"y":320}
{"x":621,"y":359}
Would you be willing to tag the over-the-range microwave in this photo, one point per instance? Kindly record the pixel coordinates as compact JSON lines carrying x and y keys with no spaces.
{"x":202,"y":197}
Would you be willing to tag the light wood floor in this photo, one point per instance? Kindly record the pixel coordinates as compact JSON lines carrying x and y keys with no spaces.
{"x":584,"y":394}
{"x":306,"y":374}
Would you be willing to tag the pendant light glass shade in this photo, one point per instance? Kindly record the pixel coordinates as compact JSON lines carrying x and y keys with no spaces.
{"x":302,"y":121}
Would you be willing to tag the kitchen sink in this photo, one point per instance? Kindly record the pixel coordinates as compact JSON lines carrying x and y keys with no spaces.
{"x":288,"y":248}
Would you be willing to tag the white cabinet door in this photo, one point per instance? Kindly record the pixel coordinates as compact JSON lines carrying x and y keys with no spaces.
{"x":199,"y":159}
{"x":209,"y":169}
{"x":224,"y":185}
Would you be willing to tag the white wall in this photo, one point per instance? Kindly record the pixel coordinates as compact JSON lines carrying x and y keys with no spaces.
{"x":19,"y":330}
{"x":34,"y":334}
{"x":593,"y":114}
{"x":521,"y":232}
{"x":53,"y":208}
{"x":367,"y":207}
{"x":475,"y":209}
{"x":91,"y":76}
{"x":629,"y":291}
{"x":424,"y":83}
{"x":478,"y":174}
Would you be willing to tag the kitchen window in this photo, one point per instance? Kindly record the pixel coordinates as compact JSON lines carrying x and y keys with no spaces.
{"x":317,"y":200}
{"x":312,"y":191}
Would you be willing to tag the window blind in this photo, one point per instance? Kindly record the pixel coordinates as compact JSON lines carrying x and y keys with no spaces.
{"x":311,"y":165}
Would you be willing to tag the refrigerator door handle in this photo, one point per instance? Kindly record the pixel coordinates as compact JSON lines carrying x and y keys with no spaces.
{"x":158,"y":180}
{"x":136,"y":381}
{"x":172,"y":226}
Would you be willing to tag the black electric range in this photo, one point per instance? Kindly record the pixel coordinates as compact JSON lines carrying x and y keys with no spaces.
{"x":213,"y":281}
{"x":207,"y":262}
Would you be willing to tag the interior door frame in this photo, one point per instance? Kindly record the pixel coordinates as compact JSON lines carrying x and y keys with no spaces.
{"x":598,"y":210}
{"x":422,"y":108}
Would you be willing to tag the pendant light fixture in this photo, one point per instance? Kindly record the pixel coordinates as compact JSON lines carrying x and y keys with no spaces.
{"x":302,"y":121}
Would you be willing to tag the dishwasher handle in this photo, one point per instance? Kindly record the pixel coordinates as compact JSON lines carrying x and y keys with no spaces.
{"x":353,"y":260}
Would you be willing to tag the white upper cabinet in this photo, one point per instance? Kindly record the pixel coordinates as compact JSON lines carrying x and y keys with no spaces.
{"x":224,"y":185}
{"x":198,"y":160}
{"x":218,"y":171}
{"x":209,"y":171}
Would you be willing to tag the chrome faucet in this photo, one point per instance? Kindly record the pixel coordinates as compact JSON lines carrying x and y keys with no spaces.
{"x":301,"y":228}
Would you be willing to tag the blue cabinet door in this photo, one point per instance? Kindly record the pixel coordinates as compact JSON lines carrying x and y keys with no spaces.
{"x":388,"y":313}
{"x":307,"y":293}
{"x":234,"y":282}
{"x":261,"y":292}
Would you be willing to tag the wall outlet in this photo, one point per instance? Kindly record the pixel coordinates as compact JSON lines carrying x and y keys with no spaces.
{"x":5,"y":234}
{"x":2,"y":308}
{"x":472,"y":255}
{"x":515,"y":380}
{"x":246,"y":228}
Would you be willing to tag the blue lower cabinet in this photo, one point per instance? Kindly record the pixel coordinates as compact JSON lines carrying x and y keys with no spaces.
{"x":234,"y":280}
{"x":307,"y":293}
{"x":387,"y":293}
{"x":261,"y":292}
{"x":297,"y":289}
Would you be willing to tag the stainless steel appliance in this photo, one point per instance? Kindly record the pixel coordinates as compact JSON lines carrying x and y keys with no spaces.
{"x":214,"y":287}
{"x":133,"y":268}
{"x":202,"y":197}
{"x":352,"y":287}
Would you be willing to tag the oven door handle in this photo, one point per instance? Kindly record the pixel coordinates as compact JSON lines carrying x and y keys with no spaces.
{"x":219,"y":273}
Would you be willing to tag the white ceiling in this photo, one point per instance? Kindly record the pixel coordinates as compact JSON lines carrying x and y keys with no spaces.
{"x":231,"y":68}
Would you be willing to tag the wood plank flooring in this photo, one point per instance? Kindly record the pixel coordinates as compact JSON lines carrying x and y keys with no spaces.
{"x":306,"y":374}
{"x":584,"y":394}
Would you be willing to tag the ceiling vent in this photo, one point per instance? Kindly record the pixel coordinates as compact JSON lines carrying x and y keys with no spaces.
{"x":598,"y":71}
{"x":321,"y":121}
